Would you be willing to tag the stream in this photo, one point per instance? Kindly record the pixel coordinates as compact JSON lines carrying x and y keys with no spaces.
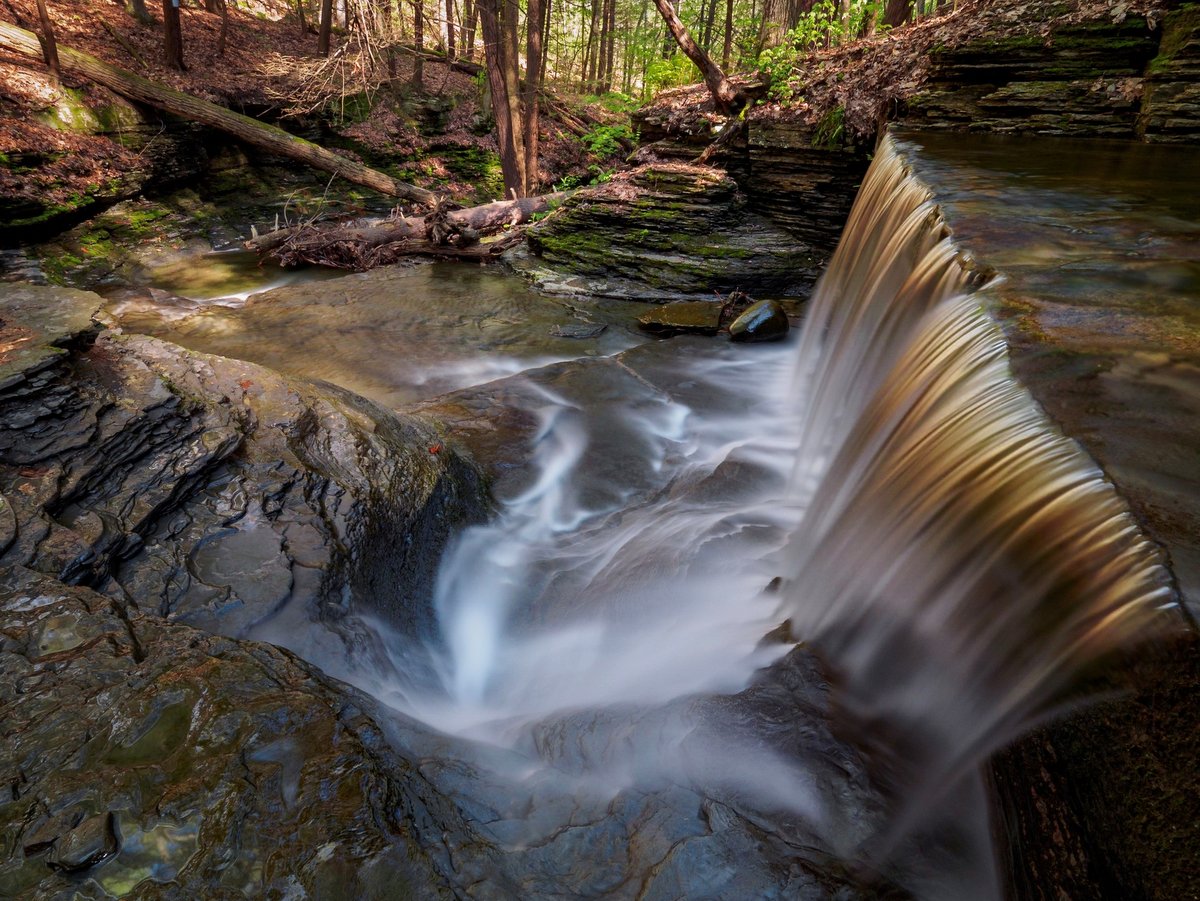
{"x":612,"y":692}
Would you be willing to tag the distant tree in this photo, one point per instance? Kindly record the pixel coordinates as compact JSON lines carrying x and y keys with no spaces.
{"x":325,"y":27}
{"x":137,"y":9}
{"x":172,"y":35}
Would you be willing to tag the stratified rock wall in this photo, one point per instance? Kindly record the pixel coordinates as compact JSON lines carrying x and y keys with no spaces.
{"x":665,"y":231}
{"x":1171,"y":102}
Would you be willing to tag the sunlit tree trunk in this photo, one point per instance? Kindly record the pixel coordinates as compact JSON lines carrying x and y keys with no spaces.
{"x":497,"y":21}
{"x":46,"y":37}
{"x":451,"y":48}
{"x":534,"y":24}
{"x":727,"y":50}
{"x":727,"y":98}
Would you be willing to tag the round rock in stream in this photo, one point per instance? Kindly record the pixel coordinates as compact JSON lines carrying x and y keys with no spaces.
{"x":764,"y":321}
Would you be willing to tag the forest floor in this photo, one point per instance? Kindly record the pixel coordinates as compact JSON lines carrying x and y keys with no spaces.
{"x":860,"y":82}
{"x":433,"y":135}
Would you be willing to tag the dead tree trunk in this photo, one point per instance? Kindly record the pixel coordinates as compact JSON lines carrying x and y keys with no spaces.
{"x":172,"y":35}
{"x":729,"y":100}
{"x":257,"y":134}
{"x":361,"y":246}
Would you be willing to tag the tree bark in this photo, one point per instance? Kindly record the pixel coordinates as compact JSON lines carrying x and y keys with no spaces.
{"x":727,"y":50}
{"x":534,"y":23}
{"x":172,"y":35}
{"x":224,"y":33}
{"x":728,"y":99}
{"x":896,"y":13}
{"x":137,"y":9}
{"x":451,"y":44}
{"x":49,"y":44}
{"x":499,"y":45}
{"x":325,"y":28}
{"x":418,"y":73}
{"x":300,"y":16}
{"x":258,"y":134}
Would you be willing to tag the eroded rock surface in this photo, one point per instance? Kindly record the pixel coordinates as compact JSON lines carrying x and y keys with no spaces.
{"x":217,"y":492}
{"x":147,"y":759}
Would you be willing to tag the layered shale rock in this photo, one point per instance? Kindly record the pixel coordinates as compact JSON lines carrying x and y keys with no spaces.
{"x":1077,"y":80}
{"x":210,"y":490}
{"x":665,"y":231}
{"x":1171,"y":104}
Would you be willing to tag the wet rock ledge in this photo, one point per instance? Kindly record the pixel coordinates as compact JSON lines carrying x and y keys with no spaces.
{"x":151,"y":497}
{"x":209,"y":490}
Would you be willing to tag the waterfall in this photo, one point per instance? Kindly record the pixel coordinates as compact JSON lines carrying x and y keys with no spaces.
{"x":956,"y":562}
{"x":959,"y":561}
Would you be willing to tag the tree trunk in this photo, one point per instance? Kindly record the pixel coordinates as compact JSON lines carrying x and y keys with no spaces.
{"x":727,"y":50}
{"x":896,"y":13}
{"x":610,"y":30}
{"x":137,"y":9}
{"x":728,"y":99}
{"x":418,"y":74}
{"x":502,"y":80}
{"x":534,"y":23}
{"x":773,"y":27}
{"x":224,"y":33}
{"x":258,"y":134}
{"x":468,"y":30}
{"x":49,"y":44}
{"x":172,"y":35}
{"x":300,"y":16}
{"x":451,"y":47}
{"x":325,"y":28}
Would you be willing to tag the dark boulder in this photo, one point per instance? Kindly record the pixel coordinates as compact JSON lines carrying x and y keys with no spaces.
{"x":764,"y":321}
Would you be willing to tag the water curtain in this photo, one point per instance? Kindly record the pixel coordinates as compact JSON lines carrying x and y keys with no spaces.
{"x":960,"y":562}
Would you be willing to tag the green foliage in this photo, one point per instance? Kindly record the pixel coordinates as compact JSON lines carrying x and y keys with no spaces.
{"x":822,"y":26}
{"x":831,"y":129}
{"x":673,"y":72}
{"x":605,"y":140}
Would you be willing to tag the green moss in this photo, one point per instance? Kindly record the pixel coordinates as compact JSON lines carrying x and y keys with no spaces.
{"x":1178,"y":28}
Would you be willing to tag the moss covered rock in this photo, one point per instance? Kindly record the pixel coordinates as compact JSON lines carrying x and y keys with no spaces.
{"x":666,"y":231}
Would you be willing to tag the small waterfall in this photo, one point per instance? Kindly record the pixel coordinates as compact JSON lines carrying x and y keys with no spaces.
{"x":955,"y":560}
{"x":959,"y":561}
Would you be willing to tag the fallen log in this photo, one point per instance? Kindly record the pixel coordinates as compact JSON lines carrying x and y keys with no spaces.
{"x":257,"y":134}
{"x":442,"y":233}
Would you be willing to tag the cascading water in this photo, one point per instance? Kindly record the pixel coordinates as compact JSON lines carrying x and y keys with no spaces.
{"x":951,"y":556}
{"x":959,"y":560}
